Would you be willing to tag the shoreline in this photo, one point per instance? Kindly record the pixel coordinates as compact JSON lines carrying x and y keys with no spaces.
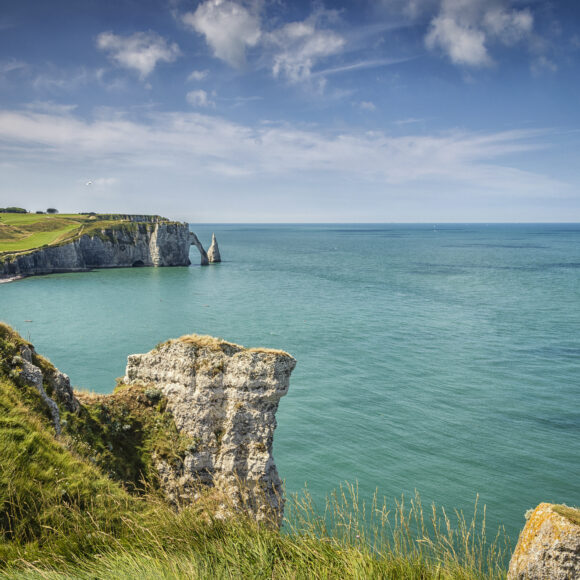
{"x":11,"y":279}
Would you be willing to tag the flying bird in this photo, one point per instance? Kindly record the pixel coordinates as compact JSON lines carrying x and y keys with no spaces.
{"x":89,"y":183}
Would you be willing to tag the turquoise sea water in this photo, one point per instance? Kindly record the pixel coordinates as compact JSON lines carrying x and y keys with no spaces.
{"x":444,"y":359}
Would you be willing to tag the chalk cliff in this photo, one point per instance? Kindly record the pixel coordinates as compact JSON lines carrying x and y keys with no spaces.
{"x":549,"y":545}
{"x":195,"y":242}
{"x":126,"y":244}
{"x":214,"y":252}
{"x":194,"y":414}
{"x":225,"y":398}
{"x":20,"y":359}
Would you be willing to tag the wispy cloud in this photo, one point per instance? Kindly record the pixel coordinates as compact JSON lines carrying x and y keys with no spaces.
{"x":408,"y":121}
{"x":11,"y":65}
{"x":140,"y":51}
{"x":299,"y":46}
{"x":203,"y":145}
{"x":52,"y":79}
{"x":198,"y":75}
{"x":367,"y":106}
{"x":542,"y":64}
{"x":360,"y":65}
{"x":51,"y":107}
{"x":412,"y":9}
{"x":199,"y":98}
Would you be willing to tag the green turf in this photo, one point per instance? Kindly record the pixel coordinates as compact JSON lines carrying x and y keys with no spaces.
{"x":21,"y":232}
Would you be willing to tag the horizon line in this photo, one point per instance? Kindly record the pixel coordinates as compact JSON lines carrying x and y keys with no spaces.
{"x":435,"y":223}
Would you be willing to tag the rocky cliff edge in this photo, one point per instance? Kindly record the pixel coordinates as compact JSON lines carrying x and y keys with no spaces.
{"x":194,"y":415}
{"x":549,"y":545}
{"x":116,"y":244}
{"x":224,"y":397}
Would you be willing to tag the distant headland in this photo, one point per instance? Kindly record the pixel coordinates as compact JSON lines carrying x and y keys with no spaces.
{"x":47,"y":243}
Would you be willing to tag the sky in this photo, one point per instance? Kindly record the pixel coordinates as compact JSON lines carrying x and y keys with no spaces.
{"x":290,"y":111}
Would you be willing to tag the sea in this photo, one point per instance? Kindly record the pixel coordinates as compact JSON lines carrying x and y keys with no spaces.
{"x":437,"y":358}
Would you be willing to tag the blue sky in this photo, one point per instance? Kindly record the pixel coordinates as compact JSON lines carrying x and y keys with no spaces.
{"x":278,"y":111}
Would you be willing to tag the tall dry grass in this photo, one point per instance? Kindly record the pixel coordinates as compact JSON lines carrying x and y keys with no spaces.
{"x":348,"y":538}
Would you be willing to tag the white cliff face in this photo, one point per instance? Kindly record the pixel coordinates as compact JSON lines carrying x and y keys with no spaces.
{"x":195,"y":242}
{"x":142,"y":244}
{"x":225,"y":398}
{"x":213,"y":253}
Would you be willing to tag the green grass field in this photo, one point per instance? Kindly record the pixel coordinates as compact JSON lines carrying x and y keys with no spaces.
{"x":22,"y":232}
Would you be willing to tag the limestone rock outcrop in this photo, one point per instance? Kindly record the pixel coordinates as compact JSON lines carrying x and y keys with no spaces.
{"x":224,"y":398}
{"x":195,"y":242}
{"x":137,"y":243}
{"x":214,"y":252}
{"x":549,"y":545}
{"x":57,"y":384}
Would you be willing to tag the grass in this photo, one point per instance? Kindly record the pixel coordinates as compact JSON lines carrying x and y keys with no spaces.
{"x":121,"y":432}
{"x":570,"y":513}
{"x":158,"y":542}
{"x":69,"y":508}
{"x":213,"y":343}
{"x":26,"y":232}
{"x":20,"y":232}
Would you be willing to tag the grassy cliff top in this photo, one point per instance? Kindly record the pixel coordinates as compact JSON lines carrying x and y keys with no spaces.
{"x":213,"y":343}
{"x":572,"y":514}
{"x":26,"y":232}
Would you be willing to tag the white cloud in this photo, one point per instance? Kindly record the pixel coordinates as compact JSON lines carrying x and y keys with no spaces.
{"x":140,"y":51}
{"x":229,"y":28}
{"x":52,"y":79}
{"x":56,"y":80}
{"x":199,"y":99}
{"x":11,"y":65}
{"x":463,"y":44}
{"x":300,"y":45}
{"x":293,"y":50}
{"x":409,"y":8}
{"x":203,"y":145}
{"x":509,"y":26}
{"x":50,"y":107}
{"x":197,"y":75}
{"x":360,"y":65}
{"x":465,"y":29}
{"x":367,"y":106}
{"x":543,"y":64}
{"x":408,"y":121}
